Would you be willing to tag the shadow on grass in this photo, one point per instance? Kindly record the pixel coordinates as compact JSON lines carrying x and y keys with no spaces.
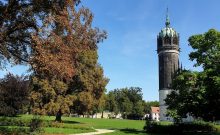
{"x":63,"y":121}
{"x":71,"y":122}
{"x":132,"y":131}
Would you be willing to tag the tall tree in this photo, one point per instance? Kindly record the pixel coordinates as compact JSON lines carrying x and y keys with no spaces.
{"x":207,"y":54}
{"x":66,"y":51}
{"x":52,"y":36}
{"x":198,"y":93}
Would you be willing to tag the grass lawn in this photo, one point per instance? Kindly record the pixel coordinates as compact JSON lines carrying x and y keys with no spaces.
{"x":72,"y":125}
{"x":122,"y":127}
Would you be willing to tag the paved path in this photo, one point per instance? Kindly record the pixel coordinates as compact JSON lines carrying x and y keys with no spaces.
{"x":98,"y":131}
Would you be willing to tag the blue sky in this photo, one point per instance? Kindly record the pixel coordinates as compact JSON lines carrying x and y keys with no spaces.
{"x":128,"y":55}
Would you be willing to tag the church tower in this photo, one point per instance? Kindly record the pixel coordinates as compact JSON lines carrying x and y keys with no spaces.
{"x":168,"y":55}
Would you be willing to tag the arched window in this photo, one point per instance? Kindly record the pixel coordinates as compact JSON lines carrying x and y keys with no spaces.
{"x":167,"y":40}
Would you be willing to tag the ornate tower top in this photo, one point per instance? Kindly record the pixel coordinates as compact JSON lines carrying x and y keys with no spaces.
{"x":168,"y":31}
{"x":167,"y":19}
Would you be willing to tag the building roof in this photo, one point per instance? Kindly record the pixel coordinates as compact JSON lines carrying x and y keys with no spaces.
{"x":155,"y":109}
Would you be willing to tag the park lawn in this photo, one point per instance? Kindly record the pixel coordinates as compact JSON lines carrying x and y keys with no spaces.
{"x":72,"y":125}
{"x":109,"y":123}
{"x":53,"y":130}
{"x":48,"y":130}
{"x":95,"y":123}
{"x":122,"y":127}
{"x":49,"y":127}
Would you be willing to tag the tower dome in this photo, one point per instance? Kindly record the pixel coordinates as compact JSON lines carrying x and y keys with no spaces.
{"x":168,"y":31}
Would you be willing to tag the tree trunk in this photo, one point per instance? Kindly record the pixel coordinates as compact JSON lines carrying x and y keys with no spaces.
{"x":58,"y":116}
{"x":102,"y":115}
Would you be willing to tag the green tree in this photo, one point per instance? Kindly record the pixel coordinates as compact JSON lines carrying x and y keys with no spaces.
{"x":50,"y":97}
{"x":111,"y":103}
{"x":207,"y":54}
{"x":125,"y":106}
{"x":198,"y":93}
{"x":188,"y":97}
{"x":127,"y":101}
{"x":13,"y":94}
{"x":89,"y":81}
{"x":138,"y":110}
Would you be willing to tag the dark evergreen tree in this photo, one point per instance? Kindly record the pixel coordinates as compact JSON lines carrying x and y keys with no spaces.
{"x":13,"y":94}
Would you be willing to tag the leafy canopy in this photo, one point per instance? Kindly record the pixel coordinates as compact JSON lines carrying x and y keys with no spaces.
{"x":198,"y":93}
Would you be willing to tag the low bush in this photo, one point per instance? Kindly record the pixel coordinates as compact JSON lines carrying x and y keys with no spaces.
{"x":13,"y":130}
{"x":11,"y":121}
{"x":36,"y":125}
{"x":181,"y":128}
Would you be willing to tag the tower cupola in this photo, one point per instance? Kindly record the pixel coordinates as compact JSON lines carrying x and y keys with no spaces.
{"x":168,"y":31}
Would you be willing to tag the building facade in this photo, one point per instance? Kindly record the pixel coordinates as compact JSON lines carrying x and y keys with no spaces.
{"x":155,"y":113}
{"x":168,"y":55}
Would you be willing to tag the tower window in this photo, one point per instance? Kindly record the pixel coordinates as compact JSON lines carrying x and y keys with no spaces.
{"x":167,"y":40}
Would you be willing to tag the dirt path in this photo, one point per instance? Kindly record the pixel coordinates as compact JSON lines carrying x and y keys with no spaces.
{"x":98,"y":131}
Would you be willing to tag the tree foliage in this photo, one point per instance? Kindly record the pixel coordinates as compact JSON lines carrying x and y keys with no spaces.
{"x":188,"y":97}
{"x":16,"y":23}
{"x":198,"y":93}
{"x":127,"y":101}
{"x":65,"y":52}
{"x":13,"y":94}
{"x":88,"y":84}
{"x":57,"y":40}
{"x":50,"y":97}
{"x":65,"y":33}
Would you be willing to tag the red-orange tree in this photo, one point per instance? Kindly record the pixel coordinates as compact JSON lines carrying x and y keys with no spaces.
{"x":63,"y":38}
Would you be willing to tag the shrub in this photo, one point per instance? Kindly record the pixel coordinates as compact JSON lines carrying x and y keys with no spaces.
{"x":13,"y":94}
{"x":8,"y":121}
{"x":57,"y":124}
{"x":36,"y":125}
{"x":181,"y":128}
{"x":13,"y":130}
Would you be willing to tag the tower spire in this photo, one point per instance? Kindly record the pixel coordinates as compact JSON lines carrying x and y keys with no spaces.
{"x":167,"y":19}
